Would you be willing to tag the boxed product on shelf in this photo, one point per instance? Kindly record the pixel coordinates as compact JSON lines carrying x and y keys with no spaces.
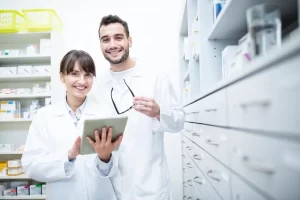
{"x":6,"y":148}
{"x":36,"y":189}
{"x":24,"y":69}
{"x":9,"y":105}
{"x":23,"y":91}
{"x":10,"y":192}
{"x":7,"y":91}
{"x":23,"y":190}
{"x":41,"y":69}
{"x":244,"y":53}
{"x":47,"y":101}
{"x":9,"y":71}
{"x":31,"y":49}
{"x":14,"y":163}
{"x":45,"y":46}
{"x":44,"y":189}
{"x":228,"y":57}
{"x":218,"y":5}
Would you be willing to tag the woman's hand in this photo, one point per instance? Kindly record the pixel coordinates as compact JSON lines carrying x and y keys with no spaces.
{"x":74,"y":152}
{"x":104,"y":146}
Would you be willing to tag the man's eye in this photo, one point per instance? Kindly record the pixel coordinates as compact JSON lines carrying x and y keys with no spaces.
{"x":105,"y":40}
{"x":119,"y":38}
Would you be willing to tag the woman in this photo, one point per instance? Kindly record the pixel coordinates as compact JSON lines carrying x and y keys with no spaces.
{"x":52,"y":148}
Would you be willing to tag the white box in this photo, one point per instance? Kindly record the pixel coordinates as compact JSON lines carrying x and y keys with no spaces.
{"x":2,"y":71}
{"x":42,"y":69}
{"x":2,"y":188}
{"x":9,"y":105}
{"x":25,"y":69}
{"x":6,"y":147}
{"x":6,"y":114}
{"x":23,"y":190}
{"x":45,"y":46}
{"x":14,"y":163}
{"x":44,"y":189}
{"x":35,"y":189}
{"x":9,"y":71}
{"x":228,"y":57}
{"x":10,"y":192}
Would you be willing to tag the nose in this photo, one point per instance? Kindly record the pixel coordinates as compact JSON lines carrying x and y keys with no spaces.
{"x":112,"y":43}
{"x":81,"y":79}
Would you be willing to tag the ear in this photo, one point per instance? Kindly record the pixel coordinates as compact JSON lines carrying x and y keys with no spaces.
{"x":62,"y":77}
{"x":130,"y":41}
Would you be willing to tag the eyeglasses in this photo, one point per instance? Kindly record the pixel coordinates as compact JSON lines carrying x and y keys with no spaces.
{"x":119,"y":113}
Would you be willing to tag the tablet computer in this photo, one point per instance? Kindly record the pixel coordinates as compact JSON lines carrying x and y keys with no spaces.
{"x":118,"y":125}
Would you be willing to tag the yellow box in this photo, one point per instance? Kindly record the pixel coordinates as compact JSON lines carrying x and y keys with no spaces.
{"x":11,"y":21}
{"x":42,"y":20}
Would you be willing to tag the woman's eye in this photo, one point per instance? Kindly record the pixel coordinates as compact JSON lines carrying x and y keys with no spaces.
{"x":89,"y":75}
{"x":74,"y":73}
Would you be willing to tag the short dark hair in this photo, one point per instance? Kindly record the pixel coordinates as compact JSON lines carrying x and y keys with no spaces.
{"x":84,"y":59}
{"x":110,"y":19}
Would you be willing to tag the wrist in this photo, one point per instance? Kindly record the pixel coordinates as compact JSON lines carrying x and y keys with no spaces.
{"x":105,"y":159}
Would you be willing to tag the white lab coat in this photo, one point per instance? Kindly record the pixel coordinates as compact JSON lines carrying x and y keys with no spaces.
{"x":51,"y":134}
{"x":143,"y":171}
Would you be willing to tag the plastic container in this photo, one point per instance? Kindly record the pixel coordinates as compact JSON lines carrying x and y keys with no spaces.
{"x":42,"y":20}
{"x":11,"y":21}
{"x":264,"y":26}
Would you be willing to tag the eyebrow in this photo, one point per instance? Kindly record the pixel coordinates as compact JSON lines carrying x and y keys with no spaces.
{"x":118,"y":34}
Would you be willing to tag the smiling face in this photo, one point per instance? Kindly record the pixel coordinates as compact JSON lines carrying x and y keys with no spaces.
{"x":114,"y":43}
{"x":78,"y":82}
{"x":77,"y":71}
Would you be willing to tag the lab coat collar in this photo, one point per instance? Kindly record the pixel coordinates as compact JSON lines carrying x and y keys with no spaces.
{"x":60,"y":108}
{"x":138,"y":72}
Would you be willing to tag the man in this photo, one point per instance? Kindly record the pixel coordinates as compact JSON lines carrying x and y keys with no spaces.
{"x":148,"y":99}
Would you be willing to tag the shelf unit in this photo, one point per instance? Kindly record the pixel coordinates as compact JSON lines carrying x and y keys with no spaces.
{"x":14,"y":131}
{"x":24,"y":197}
{"x":213,"y":37}
{"x":257,"y":104}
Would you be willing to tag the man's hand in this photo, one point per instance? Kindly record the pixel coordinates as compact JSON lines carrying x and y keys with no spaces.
{"x":74,"y":152}
{"x":103,"y":147}
{"x":147,"y":106}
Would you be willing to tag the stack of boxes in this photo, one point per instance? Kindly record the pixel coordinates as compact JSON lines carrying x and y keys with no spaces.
{"x":10,"y":110}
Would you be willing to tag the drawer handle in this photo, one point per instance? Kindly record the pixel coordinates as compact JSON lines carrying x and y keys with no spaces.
{"x":198,"y":157}
{"x":184,"y":169}
{"x":196,"y":112}
{"x":200,"y":181}
{"x":190,"y":183}
{"x":189,"y":165}
{"x":262,"y":103}
{"x":184,"y":156}
{"x":214,"y":175}
{"x":256,"y":166}
{"x":211,"y":142}
{"x":188,"y":130}
{"x":196,"y":134}
{"x":190,"y":198}
{"x":188,"y":147}
{"x":211,"y":110}
{"x":184,"y":184}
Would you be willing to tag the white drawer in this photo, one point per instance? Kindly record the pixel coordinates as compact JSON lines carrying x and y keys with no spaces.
{"x":268,"y":101}
{"x":213,"y":140}
{"x":203,"y":188}
{"x":272,"y":165}
{"x":219,"y":176}
{"x":216,"y":173}
{"x":209,"y":110}
{"x":242,"y":191}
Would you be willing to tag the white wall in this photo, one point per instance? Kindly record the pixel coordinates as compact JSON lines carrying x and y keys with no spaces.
{"x":154,"y":26}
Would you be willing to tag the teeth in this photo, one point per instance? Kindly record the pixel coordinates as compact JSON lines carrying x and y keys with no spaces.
{"x":80,"y":88}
